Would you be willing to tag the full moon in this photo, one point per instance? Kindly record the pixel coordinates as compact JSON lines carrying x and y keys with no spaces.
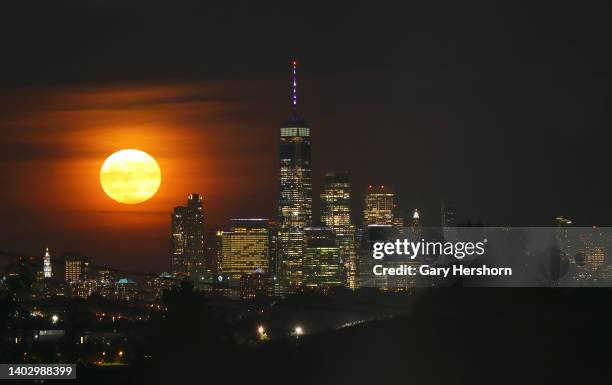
{"x":130,"y":176}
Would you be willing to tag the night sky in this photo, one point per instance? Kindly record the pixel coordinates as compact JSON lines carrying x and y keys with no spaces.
{"x":502,"y":107}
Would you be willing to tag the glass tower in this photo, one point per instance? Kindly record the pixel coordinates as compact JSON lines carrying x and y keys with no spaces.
{"x":322,"y":265}
{"x":295,"y":196}
{"x":187,"y":241}
{"x":336,"y":215}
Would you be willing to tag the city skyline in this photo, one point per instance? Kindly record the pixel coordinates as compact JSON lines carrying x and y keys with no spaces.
{"x":305,"y":192}
{"x":509,"y":142}
{"x":318,"y":203}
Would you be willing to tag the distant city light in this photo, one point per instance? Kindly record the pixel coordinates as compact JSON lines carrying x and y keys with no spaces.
{"x":54,"y":318}
{"x":261,"y":331}
{"x":299,"y":331}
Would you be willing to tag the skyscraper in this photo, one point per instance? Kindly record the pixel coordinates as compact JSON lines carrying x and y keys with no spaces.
{"x":47,"y":269}
{"x":379,"y":207}
{"x":187,"y":240}
{"x":381,"y":224}
{"x":177,"y":240}
{"x":336,"y":214}
{"x":564,"y":241}
{"x":322,"y":264}
{"x":295,"y":195}
{"x":378,"y":225}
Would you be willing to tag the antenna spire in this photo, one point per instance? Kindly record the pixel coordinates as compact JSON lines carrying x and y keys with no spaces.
{"x":294,"y":86}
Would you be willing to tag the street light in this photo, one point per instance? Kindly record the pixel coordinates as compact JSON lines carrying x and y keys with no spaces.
{"x":298,"y":331}
{"x":262,"y":333}
{"x":54,"y":318}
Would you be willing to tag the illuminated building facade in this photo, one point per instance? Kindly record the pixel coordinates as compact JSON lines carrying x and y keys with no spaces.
{"x":187,"y":239}
{"x":177,"y":240}
{"x":417,"y":231}
{"x":379,"y":207}
{"x":126,"y":289}
{"x":295,"y":196}
{"x":213,"y":251}
{"x":254,"y":285}
{"x":245,"y":249}
{"x":75,"y":268}
{"x":378,"y":223}
{"x":594,"y":249}
{"x":336,"y":214}
{"x":106,"y":283}
{"x":47,"y":268}
{"x":416,"y":218}
{"x":322,"y":264}
{"x":84,"y":288}
{"x":157,"y":285}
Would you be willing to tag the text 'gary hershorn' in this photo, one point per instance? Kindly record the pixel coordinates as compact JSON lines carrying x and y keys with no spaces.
{"x":409,"y":249}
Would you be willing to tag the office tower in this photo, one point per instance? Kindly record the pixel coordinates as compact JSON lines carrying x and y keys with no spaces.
{"x":564,"y":241}
{"x":194,"y":237}
{"x":75,"y":268}
{"x":447,"y":214}
{"x":177,"y":240}
{"x":322,"y":264}
{"x":379,"y":207}
{"x":187,"y":240}
{"x":47,"y":269}
{"x":295,"y":195}
{"x":336,"y":214}
{"x":378,"y":220}
{"x":245,"y":249}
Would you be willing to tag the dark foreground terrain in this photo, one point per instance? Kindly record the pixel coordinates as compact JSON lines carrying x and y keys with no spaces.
{"x":458,"y":336}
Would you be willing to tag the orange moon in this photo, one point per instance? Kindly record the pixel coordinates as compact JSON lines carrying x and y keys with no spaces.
{"x":130,"y":176}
